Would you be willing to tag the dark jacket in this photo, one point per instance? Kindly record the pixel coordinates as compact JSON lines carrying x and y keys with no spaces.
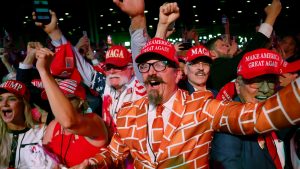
{"x":239,"y":152}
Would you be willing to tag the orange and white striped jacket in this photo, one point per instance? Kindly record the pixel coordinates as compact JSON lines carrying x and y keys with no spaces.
{"x":193,"y":120}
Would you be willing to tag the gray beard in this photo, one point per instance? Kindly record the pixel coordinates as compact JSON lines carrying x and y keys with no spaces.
{"x":154,"y":97}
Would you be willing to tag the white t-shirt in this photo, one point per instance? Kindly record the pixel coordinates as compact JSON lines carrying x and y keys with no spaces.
{"x":30,"y":153}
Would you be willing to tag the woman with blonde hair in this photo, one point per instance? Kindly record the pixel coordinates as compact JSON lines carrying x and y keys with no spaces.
{"x":20,"y":135}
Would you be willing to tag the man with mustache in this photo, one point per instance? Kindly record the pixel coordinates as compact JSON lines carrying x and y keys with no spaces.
{"x":197,"y":69}
{"x":168,"y":128}
{"x":258,"y":79}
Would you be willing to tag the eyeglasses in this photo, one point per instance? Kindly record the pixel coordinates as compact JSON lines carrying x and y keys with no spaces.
{"x":158,"y":66}
{"x":197,"y":64}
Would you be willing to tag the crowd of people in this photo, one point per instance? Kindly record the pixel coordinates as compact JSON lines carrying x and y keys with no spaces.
{"x":157,"y":105}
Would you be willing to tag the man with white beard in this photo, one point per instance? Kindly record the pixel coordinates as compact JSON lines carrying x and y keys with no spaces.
{"x":121,"y":84}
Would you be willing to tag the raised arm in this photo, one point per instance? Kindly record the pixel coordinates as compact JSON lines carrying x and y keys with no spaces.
{"x":138,"y":30}
{"x":52,"y":29}
{"x":168,"y":13}
{"x":277,"y":112}
{"x":63,"y":110}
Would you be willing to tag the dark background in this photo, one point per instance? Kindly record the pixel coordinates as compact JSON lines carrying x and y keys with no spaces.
{"x":85,"y":15}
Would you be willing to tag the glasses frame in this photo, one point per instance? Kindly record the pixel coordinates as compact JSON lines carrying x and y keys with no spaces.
{"x":164,"y":62}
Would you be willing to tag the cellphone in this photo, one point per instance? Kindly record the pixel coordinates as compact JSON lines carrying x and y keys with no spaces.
{"x":41,"y":9}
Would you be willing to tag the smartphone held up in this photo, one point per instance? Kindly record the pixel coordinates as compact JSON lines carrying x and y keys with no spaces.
{"x":41,"y":9}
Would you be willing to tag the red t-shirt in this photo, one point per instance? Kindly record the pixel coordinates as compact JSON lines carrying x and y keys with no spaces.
{"x":71,"y":149}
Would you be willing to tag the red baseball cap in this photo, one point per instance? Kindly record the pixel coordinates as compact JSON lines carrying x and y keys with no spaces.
{"x":197,"y":52}
{"x":63,"y":64}
{"x":15,"y":87}
{"x":158,"y":46}
{"x":260,"y":62}
{"x":227,"y":92}
{"x":118,"y":56}
{"x":290,"y":67}
{"x":70,"y":88}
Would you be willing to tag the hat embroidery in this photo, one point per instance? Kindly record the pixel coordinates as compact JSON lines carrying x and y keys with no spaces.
{"x":261,"y":56}
{"x":198,"y":51}
{"x":10,"y":84}
{"x":116,"y":53}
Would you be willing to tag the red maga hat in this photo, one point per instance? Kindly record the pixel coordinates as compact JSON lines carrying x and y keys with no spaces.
{"x":15,"y":87}
{"x":260,"y":62}
{"x":158,"y":46}
{"x":290,"y":67}
{"x":118,"y":56}
{"x":63,"y":64}
{"x":197,"y":52}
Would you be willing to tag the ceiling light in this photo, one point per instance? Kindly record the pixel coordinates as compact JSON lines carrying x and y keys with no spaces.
{"x":219,"y":9}
{"x":101,"y":27}
{"x":119,"y":21}
{"x":287,"y":7}
{"x":196,"y":20}
{"x":150,"y":26}
{"x":255,"y":13}
{"x":110,"y":9}
{"x":66,"y":13}
{"x":61,"y":19}
{"x":24,"y":22}
{"x":26,"y":17}
{"x":239,"y":11}
{"x":156,"y":19}
{"x":194,"y":6}
{"x":109,"y":24}
{"x":196,"y":15}
{"x":145,"y":11}
{"x":127,"y":43}
{"x":248,"y":1}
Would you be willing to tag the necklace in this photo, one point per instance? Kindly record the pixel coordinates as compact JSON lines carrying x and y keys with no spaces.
{"x":149,"y":143}
{"x":14,"y":145}
{"x":63,"y":157}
